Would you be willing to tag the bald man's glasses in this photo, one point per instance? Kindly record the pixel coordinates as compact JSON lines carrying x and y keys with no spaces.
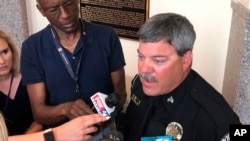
{"x":67,"y":6}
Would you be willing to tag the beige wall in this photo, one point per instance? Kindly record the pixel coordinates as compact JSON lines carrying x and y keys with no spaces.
{"x":211,"y":19}
{"x":246,"y":3}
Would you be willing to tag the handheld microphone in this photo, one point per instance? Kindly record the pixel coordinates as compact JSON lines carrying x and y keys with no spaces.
{"x":157,"y":138}
{"x":173,"y":131}
{"x":156,"y":132}
{"x":105,"y":104}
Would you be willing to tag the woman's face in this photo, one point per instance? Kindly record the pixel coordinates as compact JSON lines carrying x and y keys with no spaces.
{"x":5,"y":58}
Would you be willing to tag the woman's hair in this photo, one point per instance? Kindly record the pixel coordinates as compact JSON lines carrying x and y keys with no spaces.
{"x":3,"y":129}
{"x":15,"y":54}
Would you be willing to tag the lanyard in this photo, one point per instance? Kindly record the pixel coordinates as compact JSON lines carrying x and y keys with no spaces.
{"x":65,"y":59}
{"x":8,"y":96}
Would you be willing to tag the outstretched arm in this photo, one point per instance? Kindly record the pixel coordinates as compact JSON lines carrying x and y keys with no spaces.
{"x":78,"y":129}
{"x":34,"y":127}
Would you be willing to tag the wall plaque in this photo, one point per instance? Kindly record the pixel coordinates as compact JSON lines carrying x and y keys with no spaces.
{"x":125,"y":16}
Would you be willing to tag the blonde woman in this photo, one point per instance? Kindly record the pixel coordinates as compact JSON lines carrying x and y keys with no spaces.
{"x":3,"y":129}
{"x":14,"y":100}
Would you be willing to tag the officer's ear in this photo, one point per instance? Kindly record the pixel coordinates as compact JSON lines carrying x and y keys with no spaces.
{"x":187,"y":59}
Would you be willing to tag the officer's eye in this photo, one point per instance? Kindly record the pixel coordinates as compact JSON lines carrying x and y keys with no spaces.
{"x":140,"y":57}
{"x":159,"y":60}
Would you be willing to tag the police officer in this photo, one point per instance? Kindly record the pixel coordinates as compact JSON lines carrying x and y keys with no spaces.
{"x":167,"y":95}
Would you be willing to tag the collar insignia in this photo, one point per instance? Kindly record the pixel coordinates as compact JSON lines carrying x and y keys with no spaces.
{"x":135,"y":99}
{"x":170,"y":100}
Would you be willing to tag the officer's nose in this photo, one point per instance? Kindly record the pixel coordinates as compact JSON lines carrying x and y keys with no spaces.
{"x":145,"y":66}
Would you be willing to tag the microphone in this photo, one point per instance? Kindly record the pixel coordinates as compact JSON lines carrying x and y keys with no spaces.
{"x":157,"y":138}
{"x":108,"y":132}
{"x":105,"y":104}
{"x":173,"y":131}
{"x":156,"y":132}
{"x":114,"y":136}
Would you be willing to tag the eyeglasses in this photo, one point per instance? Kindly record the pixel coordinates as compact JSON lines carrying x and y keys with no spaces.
{"x":67,"y":6}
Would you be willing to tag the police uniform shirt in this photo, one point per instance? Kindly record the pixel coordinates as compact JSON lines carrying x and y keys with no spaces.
{"x":176,"y":106}
{"x":199,"y":121}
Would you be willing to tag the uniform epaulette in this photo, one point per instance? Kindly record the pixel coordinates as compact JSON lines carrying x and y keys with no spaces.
{"x":134,"y":81}
{"x":217,"y":109}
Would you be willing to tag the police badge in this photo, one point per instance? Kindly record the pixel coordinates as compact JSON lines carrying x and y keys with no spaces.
{"x":175,"y":130}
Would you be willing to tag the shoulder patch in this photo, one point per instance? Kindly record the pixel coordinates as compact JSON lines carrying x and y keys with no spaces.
{"x":226,"y":137}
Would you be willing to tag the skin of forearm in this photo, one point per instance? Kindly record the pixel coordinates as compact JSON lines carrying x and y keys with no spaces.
{"x":51,"y":115}
{"x":123,"y":96}
{"x":28,"y":137}
{"x":38,"y":136}
{"x":34,"y":127}
{"x":123,"y":99}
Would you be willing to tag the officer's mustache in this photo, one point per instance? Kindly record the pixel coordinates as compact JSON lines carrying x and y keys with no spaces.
{"x":148,"y":77}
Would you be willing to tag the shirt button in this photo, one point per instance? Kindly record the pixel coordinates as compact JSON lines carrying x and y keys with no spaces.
{"x":74,"y":57}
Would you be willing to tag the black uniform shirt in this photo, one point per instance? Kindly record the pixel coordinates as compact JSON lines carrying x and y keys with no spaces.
{"x":176,"y":106}
{"x":201,"y":111}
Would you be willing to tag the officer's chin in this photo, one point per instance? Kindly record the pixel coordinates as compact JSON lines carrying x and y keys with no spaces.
{"x":150,"y":92}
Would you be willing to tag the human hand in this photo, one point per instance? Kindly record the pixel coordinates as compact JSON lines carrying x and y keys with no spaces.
{"x":76,"y":109}
{"x":78,"y":129}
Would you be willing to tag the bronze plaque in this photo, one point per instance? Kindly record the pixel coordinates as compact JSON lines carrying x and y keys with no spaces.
{"x":125,"y":16}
